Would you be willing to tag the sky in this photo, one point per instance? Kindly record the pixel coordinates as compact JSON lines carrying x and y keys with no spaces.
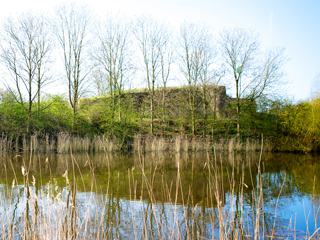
{"x":291,"y":24}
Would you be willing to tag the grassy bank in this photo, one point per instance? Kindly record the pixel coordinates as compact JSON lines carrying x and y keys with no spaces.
{"x":99,"y":124}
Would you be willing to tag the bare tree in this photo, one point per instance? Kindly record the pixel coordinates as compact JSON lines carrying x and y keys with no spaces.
{"x":113,"y":57}
{"x":99,"y":84}
{"x":196,"y":62}
{"x":253,"y":71}
{"x":71,"y":28}
{"x":151,"y":37}
{"x":166,"y":59}
{"x":214,"y":96}
{"x":26,"y":52}
{"x":210,"y":77}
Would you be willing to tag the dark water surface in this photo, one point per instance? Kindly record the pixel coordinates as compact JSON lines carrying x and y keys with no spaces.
{"x":161,"y":196}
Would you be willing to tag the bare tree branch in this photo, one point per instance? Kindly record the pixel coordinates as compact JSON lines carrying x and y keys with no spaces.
{"x":26,"y":53}
{"x":71,"y":28}
{"x":254,"y":72}
{"x":113,"y":56}
{"x":152,"y":37}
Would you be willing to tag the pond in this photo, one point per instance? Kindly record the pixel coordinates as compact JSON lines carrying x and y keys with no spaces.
{"x":170,"y":195}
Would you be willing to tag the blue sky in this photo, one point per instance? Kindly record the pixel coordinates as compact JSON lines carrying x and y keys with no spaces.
{"x":292,"y":24}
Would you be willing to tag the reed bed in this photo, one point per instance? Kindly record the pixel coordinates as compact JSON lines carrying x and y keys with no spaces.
{"x":236,"y":145}
{"x":6,"y":144}
{"x":102,"y":144}
{"x":50,"y":144}
{"x":65,"y":143}
{"x":194,"y":144}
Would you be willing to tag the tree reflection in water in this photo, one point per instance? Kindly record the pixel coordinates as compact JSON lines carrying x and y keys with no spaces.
{"x":162,"y":196}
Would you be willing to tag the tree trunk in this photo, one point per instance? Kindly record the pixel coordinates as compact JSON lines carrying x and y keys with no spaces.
{"x":30,"y":104}
{"x":204,"y":113}
{"x":73,"y":118}
{"x":28,"y":123}
{"x":38,"y":93}
{"x":151,"y":113}
{"x":38,"y":107}
{"x":204,"y":121}
{"x":193,"y":117}
{"x":192,"y":108}
{"x":238,"y":108}
{"x":163,"y":110}
{"x":119,"y":102}
{"x":214,"y":114}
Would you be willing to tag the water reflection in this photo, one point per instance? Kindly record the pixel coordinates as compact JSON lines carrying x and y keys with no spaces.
{"x":169,"y":195}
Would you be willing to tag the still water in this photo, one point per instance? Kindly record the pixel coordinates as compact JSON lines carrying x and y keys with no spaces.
{"x":159,"y":196}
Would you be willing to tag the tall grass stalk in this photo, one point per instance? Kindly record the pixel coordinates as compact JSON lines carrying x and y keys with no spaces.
{"x":177,"y":143}
{"x":63,"y":142}
{"x":6,"y":144}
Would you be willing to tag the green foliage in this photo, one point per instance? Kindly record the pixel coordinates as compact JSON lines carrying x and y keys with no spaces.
{"x":98,"y":116}
{"x":297,"y":125}
{"x":55,"y":116}
{"x":292,"y":127}
{"x":122,"y":131}
{"x":13,"y":118}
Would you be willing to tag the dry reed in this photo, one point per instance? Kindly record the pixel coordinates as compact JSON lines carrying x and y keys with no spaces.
{"x":64,"y":142}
